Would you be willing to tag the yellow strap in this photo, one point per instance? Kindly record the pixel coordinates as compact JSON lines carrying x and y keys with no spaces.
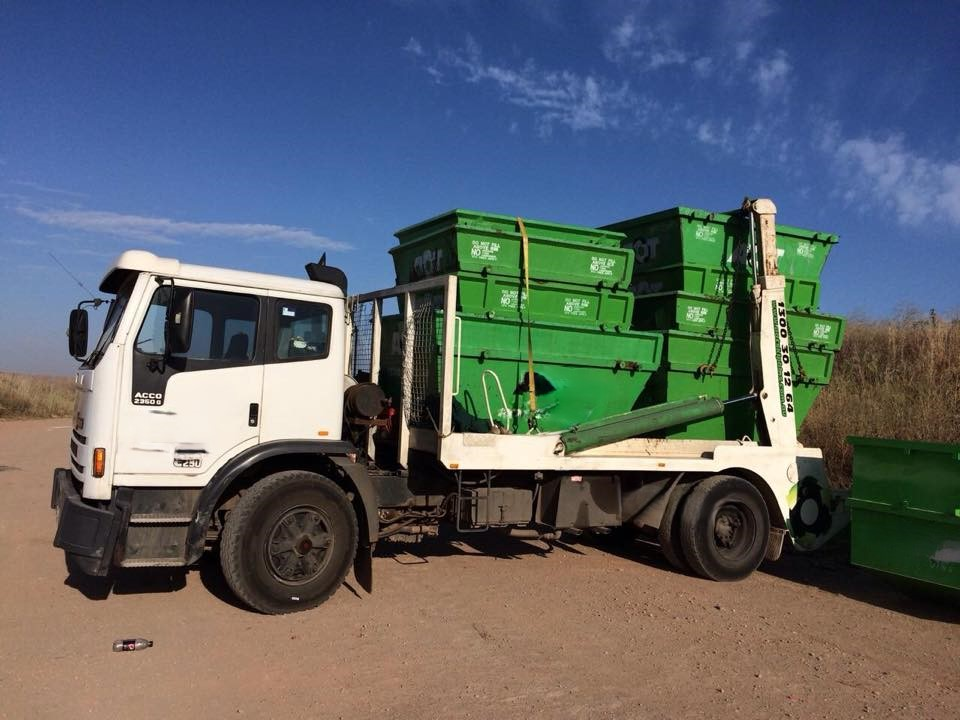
{"x":526,"y":282}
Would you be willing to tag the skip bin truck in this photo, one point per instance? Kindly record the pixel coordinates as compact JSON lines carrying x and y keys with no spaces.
{"x":293,"y":428}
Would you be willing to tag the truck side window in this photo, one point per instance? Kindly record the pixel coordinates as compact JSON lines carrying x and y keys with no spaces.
{"x":224,"y":326}
{"x":303,"y":330}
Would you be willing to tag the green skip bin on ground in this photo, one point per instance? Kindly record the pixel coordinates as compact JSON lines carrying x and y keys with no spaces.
{"x":905,"y":509}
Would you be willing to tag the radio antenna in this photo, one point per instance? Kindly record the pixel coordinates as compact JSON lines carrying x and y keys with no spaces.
{"x":75,"y":278}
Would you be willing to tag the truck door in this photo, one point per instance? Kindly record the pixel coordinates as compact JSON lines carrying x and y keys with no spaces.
{"x":183,"y":415}
{"x":303,"y":374}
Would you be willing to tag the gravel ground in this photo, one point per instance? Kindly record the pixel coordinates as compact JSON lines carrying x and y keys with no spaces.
{"x":481,"y":628}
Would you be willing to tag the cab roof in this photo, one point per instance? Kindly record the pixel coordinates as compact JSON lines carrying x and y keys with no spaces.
{"x":136,"y":261}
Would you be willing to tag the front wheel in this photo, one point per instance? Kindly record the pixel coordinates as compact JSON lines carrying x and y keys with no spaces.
{"x":724,"y":528}
{"x":289,"y":542}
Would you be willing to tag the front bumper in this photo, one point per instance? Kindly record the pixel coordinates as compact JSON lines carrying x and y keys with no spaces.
{"x":87,"y":534}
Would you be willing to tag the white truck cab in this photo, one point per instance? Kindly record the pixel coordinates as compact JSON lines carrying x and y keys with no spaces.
{"x":214,"y":411}
{"x":256,"y":372}
{"x":257,"y":342}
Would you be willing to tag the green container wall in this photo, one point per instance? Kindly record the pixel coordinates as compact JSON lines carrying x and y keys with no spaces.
{"x":697,"y":364}
{"x":688,"y":236}
{"x":696,"y":352}
{"x":708,"y":280}
{"x":737,"y":421}
{"x":722,"y":318}
{"x":504,"y":297}
{"x":581,"y":373}
{"x":905,"y":509}
{"x":464,"y":241}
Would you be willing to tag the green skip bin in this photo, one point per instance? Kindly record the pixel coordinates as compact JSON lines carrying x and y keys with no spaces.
{"x":464,"y":241}
{"x":722,"y":317}
{"x":696,"y":364}
{"x":580,"y":374}
{"x":506,"y":298}
{"x":735,"y":283}
{"x":905,"y":509}
{"x":700,"y":237}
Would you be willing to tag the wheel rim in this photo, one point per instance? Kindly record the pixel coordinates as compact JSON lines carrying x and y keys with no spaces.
{"x":297,"y":548}
{"x":734,"y":530}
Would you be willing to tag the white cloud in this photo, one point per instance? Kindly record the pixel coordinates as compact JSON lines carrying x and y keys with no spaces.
{"x":414,"y":47}
{"x":621,"y":38}
{"x":915,"y":187}
{"x":703,"y":66}
{"x":164,"y":231}
{"x":651,"y":48}
{"x":581,"y":102}
{"x":772,"y":74}
{"x":716,"y":134}
{"x":739,"y":18}
{"x":743,"y":49}
{"x":825,"y":131}
{"x":46,"y":188}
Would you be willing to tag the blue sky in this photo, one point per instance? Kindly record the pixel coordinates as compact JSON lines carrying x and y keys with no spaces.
{"x":258,"y":135}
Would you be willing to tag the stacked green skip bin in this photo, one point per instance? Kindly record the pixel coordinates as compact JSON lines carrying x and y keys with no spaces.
{"x":578,"y":275}
{"x":587,"y":362}
{"x":693,"y":279}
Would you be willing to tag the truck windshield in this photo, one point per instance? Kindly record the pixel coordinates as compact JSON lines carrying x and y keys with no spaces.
{"x":110,"y":323}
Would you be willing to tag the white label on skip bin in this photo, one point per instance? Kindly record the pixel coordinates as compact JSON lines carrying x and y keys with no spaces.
{"x":576,"y":307}
{"x":696,"y":314}
{"x":602,"y":265}
{"x":485,"y":250}
{"x":707,"y":232}
{"x":509,"y":298}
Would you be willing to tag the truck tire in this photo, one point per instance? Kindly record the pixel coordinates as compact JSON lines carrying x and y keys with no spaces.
{"x":724,"y":528}
{"x":669,"y":531}
{"x":289,"y":542}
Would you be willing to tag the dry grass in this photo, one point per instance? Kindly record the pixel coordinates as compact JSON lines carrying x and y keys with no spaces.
{"x":897,"y":379}
{"x":35,"y":396}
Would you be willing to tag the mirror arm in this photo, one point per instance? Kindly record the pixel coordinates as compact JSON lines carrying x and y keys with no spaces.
{"x":96,"y":302}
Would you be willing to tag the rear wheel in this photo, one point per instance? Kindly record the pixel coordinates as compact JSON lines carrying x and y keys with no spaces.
{"x":724,"y":528}
{"x":289,"y":542}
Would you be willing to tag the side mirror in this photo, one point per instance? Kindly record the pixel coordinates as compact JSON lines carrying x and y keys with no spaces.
{"x":77,"y":333}
{"x":179,"y":322}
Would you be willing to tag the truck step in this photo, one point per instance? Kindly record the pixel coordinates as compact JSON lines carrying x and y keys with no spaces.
{"x":153,"y":562}
{"x":153,"y":519}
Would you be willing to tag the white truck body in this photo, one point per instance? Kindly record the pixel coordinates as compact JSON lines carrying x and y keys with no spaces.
{"x":240,"y":436}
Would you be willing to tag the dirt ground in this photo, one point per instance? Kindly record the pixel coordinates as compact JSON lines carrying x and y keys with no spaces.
{"x":487,"y":628}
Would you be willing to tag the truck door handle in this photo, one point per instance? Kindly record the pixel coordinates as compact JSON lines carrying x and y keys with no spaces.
{"x":254,"y":416}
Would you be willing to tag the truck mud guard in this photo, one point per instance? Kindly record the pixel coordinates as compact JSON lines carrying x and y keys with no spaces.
{"x":334,"y":450}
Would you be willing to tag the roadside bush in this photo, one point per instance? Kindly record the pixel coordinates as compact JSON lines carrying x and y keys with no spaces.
{"x":897,"y":379}
{"x":35,"y":396}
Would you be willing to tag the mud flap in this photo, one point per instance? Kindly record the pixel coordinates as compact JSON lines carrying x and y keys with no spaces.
{"x":363,"y":567}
